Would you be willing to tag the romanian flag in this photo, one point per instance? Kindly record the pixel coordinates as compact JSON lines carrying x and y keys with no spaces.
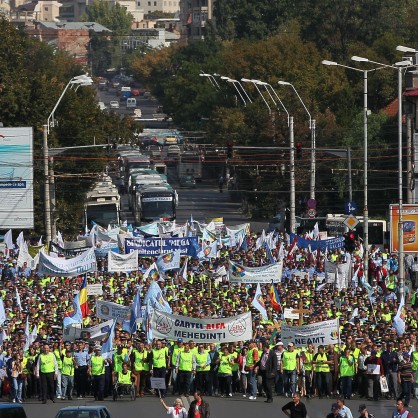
{"x":84,"y":306}
{"x":275,"y":298}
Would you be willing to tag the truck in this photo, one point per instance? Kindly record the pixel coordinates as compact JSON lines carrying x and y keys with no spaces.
{"x":155,"y":203}
{"x":102,"y":205}
{"x":190,"y":164}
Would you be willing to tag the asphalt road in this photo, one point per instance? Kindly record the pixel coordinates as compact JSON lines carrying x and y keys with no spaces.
{"x":220,"y":407}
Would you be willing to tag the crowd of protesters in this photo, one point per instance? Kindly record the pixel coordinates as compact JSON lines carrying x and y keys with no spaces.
{"x":53,"y":368}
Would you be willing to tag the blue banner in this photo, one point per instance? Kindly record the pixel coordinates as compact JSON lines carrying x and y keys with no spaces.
{"x":153,"y":247}
{"x":329,"y":244}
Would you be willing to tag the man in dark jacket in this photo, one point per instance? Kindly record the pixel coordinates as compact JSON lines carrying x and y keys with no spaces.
{"x":267,"y":366}
{"x":199,"y":407}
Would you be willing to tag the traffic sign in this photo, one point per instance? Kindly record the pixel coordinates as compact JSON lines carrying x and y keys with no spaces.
{"x":312,"y":213}
{"x":350,"y":207}
{"x":311,"y":203}
{"x":351,"y":222}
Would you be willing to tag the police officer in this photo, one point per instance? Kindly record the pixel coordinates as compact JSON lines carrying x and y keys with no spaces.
{"x":82,"y":358}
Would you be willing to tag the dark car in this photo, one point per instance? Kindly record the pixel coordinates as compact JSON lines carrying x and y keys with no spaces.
{"x":187,"y":181}
{"x":84,"y":412}
{"x":10,"y":410}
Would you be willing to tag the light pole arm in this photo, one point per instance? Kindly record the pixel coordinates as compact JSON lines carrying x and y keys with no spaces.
{"x":261,"y":94}
{"x":303,"y":104}
{"x":279,"y":100}
{"x":51,"y":116}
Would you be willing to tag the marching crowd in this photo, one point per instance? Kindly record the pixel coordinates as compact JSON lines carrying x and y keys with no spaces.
{"x":370,"y":348}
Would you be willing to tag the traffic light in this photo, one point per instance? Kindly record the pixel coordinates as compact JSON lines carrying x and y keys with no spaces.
{"x":230,"y":149}
{"x":299,"y":150}
{"x":350,"y":242}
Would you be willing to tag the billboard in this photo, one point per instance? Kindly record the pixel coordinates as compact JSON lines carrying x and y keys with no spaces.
{"x":410,"y":223}
{"x":16,"y":178}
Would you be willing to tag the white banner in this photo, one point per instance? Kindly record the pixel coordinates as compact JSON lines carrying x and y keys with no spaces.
{"x":97,"y":332}
{"x":337,"y":273}
{"x":222,"y":330}
{"x":54,"y":266}
{"x":122,"y":262}
{"x":110,"y":310}
{"x":94,"y":289}
{"x":265,"y":274}
{"x":320,"y":333}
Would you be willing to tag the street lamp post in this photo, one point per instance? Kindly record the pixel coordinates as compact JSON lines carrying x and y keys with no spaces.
{"x":82,"y":80}
{"x":292,"y":180}
{"x":254,"y":82}
{"x":211,"y":79}
{"x":312,"y":125}
{"x":399,"y":66}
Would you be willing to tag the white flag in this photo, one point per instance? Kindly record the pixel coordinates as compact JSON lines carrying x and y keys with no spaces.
{"x":8,"y":240}
{"x":18,"y":301}
{"x":60,"y":241}
{"x":20,"y":239}
{"x":40,"y":241}
{"x":258,"y":302}
{"x":316,"y":231}
{"x":2,"y":312}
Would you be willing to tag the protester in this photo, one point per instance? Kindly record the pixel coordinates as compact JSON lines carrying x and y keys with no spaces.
{"x":35,"y":305}
{"x":199,"y":408}
{"x":364,"y":413}
{"x":400,"y":411}
{"x":175,"y":411}
{"x":295,"y":409}
{"x":267,"y":365}
{"x":335,"y":412}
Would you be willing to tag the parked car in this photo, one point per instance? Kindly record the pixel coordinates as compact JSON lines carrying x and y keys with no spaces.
{"x":102,"y":106}
{"x":187,"y":181}
{"x":98,"y":411}
{"x":114,"y":104}
{"x":12,"y":410}
{"x":173,"y":151}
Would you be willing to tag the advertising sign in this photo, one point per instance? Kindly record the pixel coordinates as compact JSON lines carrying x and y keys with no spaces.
{"x":153,"y":247}
{"x":265,"y":274}
{"x":410,"y":222}
{"x":320,"y":333}
{"x":16,"y":178}
{"x":222,"y":330}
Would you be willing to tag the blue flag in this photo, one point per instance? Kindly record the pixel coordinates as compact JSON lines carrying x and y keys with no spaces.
{"x":156,"y":298}
{"x":168,"y":261}
{"x":76,"y":316}
{"x":107,"y":346}
{"x":268,"y":253}
{"x":244,"y":244}
{"x":135,"y":313}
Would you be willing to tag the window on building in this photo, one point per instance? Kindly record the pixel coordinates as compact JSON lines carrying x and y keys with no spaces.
{"x":149,"y":3}
{"x":139,"y":4}
{"x":155,"y":3}
{"x":46,"y":9}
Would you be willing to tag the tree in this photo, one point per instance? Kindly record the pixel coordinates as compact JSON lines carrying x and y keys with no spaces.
{"x":112,"y":16}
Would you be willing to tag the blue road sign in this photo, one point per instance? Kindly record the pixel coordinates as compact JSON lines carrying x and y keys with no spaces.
{"x":350,"y":207}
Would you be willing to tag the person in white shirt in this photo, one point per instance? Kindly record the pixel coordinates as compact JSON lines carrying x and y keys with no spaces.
{"x":344,"y":410}
{"x":175,"y":411}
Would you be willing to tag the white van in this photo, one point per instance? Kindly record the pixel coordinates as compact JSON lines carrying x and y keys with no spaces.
{"x":130,"y":102}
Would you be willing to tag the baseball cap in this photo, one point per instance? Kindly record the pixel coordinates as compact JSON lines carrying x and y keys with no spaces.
{"x":334,"y":406}
{"x":179,"y":340}
{"x":405,"y":354}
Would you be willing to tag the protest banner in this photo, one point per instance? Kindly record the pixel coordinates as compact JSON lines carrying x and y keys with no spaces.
{"x":222,"y":330}
{"x":320,"y":333}
{"x":122,"y":262}
{"x":324,"y":244}
{"x":110,"y":310}
{"x":153,"y":247}
{"x":265,"y":274}
{"x":67,"y":252}
{"x":157,"y":383}
{"x":94,"y":289}
{"x":289,"y":313}
{"x":54,"y":266}
{"x":103,"y":247}
{"x":98,"y":332}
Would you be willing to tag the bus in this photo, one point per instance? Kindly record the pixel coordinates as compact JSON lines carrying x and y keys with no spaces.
{"x":190,"y":164}
{"x":155,"y":203}
{"x":102,"y":205}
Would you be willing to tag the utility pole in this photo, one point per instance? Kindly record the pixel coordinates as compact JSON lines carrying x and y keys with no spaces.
{"x":350,"y":178}
{"x":47,"y":197}
{"x":409,"y":154}
{"x":313,"y":159}
{"x":292,"y":178}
